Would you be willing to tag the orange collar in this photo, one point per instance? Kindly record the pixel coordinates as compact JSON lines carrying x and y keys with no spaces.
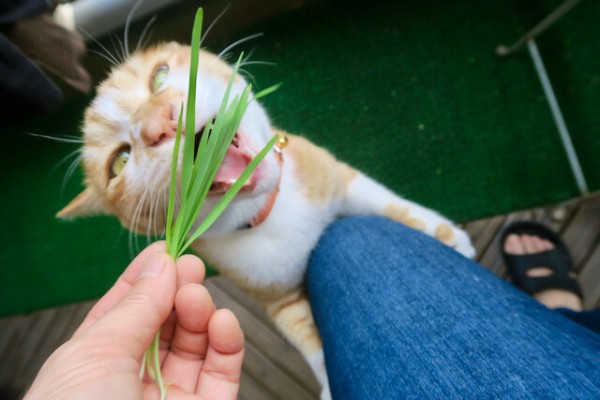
{"x":270,"y":202}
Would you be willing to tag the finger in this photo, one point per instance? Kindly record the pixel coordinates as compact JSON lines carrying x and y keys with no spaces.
{"x":220,"y":376}
{"x":133,"y":322}
{"x":184,"y":361}
{"x":190,"y":269}
{"x":121,"y":286}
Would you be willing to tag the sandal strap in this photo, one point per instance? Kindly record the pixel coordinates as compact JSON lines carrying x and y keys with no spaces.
{"x":556,"y":260}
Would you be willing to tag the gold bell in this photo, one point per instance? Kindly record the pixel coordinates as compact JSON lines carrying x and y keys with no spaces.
{"x":282,"y":142}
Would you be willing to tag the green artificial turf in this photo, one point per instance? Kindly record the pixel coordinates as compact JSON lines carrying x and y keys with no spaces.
{"x":409,"y":92}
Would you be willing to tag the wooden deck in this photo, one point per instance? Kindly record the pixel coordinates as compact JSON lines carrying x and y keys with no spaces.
{"x":272,"y":368}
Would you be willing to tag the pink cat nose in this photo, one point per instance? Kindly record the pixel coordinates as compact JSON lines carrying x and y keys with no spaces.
{"x":158,"y":124}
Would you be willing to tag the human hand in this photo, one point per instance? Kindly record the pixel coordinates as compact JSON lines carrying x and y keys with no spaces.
{"x":201,"y":348}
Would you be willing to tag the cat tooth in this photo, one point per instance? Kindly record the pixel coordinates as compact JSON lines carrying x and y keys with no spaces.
{"x":231,"y":181}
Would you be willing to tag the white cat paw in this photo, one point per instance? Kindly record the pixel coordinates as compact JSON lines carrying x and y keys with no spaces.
{"x":463,"y":244}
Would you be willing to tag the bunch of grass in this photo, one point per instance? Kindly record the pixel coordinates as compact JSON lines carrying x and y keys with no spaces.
{"x":199,"y":170}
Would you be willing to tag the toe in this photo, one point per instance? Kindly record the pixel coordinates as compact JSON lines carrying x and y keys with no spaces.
{"x":513,"y":245}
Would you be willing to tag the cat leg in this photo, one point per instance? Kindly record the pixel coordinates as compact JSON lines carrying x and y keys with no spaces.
{"x":364,"y":196}
{"x":293,"y":316}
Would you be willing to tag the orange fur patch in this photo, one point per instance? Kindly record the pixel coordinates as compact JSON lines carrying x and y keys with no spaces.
{"x":323,"y":177}
{"x":402,"y":215}
{"x":293,"y":316}
{"x":415,"y":223}
{"x":444,"y":234}
{"x":396,"y":213}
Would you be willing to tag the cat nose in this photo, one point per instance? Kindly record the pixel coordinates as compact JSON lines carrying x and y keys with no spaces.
{"x":158,"y":124}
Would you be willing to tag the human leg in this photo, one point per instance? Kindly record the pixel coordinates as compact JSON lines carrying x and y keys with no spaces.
{"x":403,"y":316}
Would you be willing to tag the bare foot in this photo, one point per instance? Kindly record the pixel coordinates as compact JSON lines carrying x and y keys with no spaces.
{"x":552,"y":298}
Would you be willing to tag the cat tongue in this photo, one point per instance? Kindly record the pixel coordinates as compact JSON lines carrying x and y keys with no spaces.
{"x":233,"y":165}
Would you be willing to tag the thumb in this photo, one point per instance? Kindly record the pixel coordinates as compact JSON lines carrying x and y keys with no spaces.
{"x":135,"y":319}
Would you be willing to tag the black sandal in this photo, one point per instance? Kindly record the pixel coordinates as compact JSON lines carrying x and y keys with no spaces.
{"x":557,"y":259}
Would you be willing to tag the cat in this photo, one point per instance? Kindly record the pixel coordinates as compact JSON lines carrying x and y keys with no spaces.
{"x":264,"y":239}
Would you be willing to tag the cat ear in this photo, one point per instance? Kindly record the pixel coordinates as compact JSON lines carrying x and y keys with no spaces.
{"x":86,"y":203}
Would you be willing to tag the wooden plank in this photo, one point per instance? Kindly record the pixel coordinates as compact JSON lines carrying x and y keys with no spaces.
{"x":250,"y":304}
{"x":64,"y":322}
{"x":250,"y":389}
{"x":32,"y":338}
{"x":28,"y":343}
{"x":11,"y":332}
{"x":276,"y":381}
{"x":483,"y":232}
{"x":11,"y":328}
{"x":583,"y":231}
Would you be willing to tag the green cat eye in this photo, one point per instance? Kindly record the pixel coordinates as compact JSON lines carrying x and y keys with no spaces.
{"x":119,"y":161}
{"x":159,"y":78}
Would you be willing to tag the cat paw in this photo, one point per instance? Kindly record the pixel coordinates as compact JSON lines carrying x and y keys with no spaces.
{"x":463,"y":243}
{"x":455,"y":238}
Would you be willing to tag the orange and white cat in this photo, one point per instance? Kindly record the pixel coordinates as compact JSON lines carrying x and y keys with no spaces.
{"x":264,"y":239}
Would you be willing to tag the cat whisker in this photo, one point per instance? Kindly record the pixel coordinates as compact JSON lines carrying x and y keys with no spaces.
{"x":62,"y":139}
{"x":108,"y":56}
{"x":237,"y":43}
{"x":72,"y":167}
{"x":133,"y":236}
{"x":128,"y":21}
{"x":149,"y":36}
{"x":213,"y":23}
{"x":142,"y":40}
{"x":65,"y":158}
{"x":249,"y":55}
{"x":110,"y":60}
{"x":120,"y":51}
{"x":247,"y":75}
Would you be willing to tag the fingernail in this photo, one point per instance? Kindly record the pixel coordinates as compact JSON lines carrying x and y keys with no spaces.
{"x":154,"y":266}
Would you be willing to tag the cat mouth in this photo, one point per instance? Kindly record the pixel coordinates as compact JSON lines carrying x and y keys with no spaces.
{"x":236,"y":159}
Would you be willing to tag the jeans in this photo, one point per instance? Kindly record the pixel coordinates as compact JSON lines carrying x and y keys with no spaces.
{"x":403,"y":316}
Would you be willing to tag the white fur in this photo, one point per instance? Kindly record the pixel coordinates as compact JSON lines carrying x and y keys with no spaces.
{"x":275,"y":253}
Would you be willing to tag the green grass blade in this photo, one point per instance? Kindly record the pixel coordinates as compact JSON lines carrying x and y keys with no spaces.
{"x":190,"y":116}
{"x":230,"y":194}
{"x":173,"y":188}
{"x":267,"y":91}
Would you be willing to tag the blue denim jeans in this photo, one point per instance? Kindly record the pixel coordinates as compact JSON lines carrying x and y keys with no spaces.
{"x":403,"y":316}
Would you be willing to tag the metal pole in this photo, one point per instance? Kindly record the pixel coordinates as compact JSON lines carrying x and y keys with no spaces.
{"x":558,"y":118}
{"x":539,"y":28}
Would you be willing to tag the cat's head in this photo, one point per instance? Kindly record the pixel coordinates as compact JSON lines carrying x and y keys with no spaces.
{"x":129,"y":132}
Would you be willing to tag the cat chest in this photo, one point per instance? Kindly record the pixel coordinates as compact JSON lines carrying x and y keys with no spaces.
{"x":274,"y":254}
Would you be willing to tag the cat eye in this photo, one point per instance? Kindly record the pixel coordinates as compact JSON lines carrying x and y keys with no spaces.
{"x":159,"y":78}
{"x":118,"y":161}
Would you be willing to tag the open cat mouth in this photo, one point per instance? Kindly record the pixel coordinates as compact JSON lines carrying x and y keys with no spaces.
{"x":236,"y":159}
